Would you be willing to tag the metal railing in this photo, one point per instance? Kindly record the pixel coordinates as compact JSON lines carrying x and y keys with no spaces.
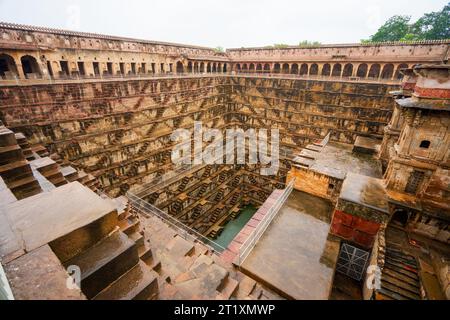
{"x":281,"y":75}
{"x":143,"y":76}
{"x":145,"y":208}
{"x":5,"y":290}
{"x":171,"y":176}
{"x":256,"y":235}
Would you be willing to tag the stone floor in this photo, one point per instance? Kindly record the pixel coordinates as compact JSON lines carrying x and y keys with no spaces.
{"x":189,"y":271}
{"x":295,"y":256}
{"x":337,"y":159}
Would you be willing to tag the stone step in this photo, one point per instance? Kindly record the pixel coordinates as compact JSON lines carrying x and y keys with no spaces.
{"x":145,"y":252}
{"x":129,"y":225}
{"x":138,"y":239}
{"x":178,"y":247}
{"x":105,"y":262}
{"x":139,"y":283}
{"x":229,"y":288}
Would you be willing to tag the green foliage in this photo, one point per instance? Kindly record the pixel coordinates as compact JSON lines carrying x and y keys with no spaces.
{"x":307,"y":43}
{"x":220,"y":49}
{"x":432,"y":26}
{"x":280,"y":45}
{"x":435,"y":25}
{"x":393,"y":30}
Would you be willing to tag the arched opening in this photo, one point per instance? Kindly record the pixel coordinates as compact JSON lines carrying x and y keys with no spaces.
{"x":337,"y":70}
{"x":348,"y":70}
{"x":294,"y":69}
{"x":219,"y":67}
{"x":196,"y":67}
{"x":286,"y":68}
{"x":189,"y":68}
{"x":252,"y":67}
{"x":259,"y":67}
{"x":314,"y":70}
{"x":30,"y":66}
{"x":425,"y":144}
{"x":362,"y":71}
{"x":398,"y":74}
{"x":214,"y":67}
{"x":238,"y":68}
{"x":388,"y":71}
{"x":400,"y":218}
{"x":244,"y":67}
{"x":180,"y":67}
{"x":374,"y":71}
{"x":8,"y":68}
{"x":202,"y":67}
{"x":225,"y":68}
{"x":326,"y":71}
{"x":277,"y":68}
{"x":304,"y":69}
{"x":208,"y":67}
{"x":267,"y":67}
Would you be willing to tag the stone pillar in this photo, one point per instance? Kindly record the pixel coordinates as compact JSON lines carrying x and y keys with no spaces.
{"x":355,"y":69}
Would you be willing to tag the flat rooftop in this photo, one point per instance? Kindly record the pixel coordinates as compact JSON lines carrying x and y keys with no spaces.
{"x":295,"y":257}
{"x":365,"y":191}
{"x":338,"y":159}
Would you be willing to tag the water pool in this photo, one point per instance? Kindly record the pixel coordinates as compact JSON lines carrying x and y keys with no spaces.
{"x":233,"y":227}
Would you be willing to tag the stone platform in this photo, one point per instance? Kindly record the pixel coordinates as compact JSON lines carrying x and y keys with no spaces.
{"x":295,"y":257}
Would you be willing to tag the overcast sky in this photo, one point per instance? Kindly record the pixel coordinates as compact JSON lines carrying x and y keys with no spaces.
{"x":226,"y":23}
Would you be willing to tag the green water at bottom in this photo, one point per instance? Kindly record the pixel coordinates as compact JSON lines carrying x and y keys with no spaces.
{"x":233,"y":227}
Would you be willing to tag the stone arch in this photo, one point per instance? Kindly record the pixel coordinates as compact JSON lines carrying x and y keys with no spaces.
{"x":180,"y":67}
{"x":277,"y":68}
{"x":326,"y":70}
{"x":208,"y":67}
{"x":196,"y":70}
{"x":337,"y":70}
{"x":400,"y":218}
{"x":398,"y":74}
{"x":304,"y":69}
{"x":202,"y":67}
{"x":8,"y":66}
{"x":267,"y":67}
{"x":238,"y":67}
{"x":225,"y":68}
{"x":214,"y":67}
{"x":314,"y":70}
{"x":362,"y":70}
{"x":388,"y":71}
{"x":30,"y":65}
{"x":252,"y":67}
{"x":190,"y":67}
{"x":348,"y":70}
{"x":294,"y":68}
{"x":286,"y":68}
{"x":259,"y":67}
{"x":374,"y":71}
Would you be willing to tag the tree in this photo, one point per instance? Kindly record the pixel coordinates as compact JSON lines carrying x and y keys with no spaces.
{"x":280,"y":45}
{"x":307,"y":43}
{"x":394,"y":29}
{"x":220,"y":49}
{"x":434,"y":26}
